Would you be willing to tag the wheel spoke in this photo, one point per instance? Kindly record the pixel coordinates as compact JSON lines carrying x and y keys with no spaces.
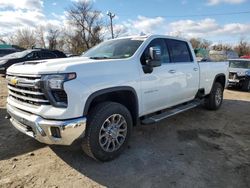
{"x":108,"y":122}
{"x":107,"y":146}
{"x":105,"y":142}
{"x":120,"y":135}
{"x":113,"y":145}
{"x":117,"y":141}
{"x":121,"y":123}
{"x":119,"y":117}
{"x":112,"y":119}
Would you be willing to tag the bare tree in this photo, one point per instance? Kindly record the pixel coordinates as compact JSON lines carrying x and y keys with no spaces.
{"x":220,"y":47}
{"x":243,"y":48}
{"x":87,"y":23}
{"x":73,"y":44}
{"x":40,"y":37}
{"x":24,"y":38}
{"x":200,"y":43}
{"x":52,"y":37}
{"x":2,"y":41}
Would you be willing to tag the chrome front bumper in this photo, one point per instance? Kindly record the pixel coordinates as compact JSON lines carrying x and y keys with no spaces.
{"x":41,"y":129}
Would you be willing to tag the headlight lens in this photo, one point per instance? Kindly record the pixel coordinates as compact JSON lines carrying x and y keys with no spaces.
{"x":52,"y":86}
{"x":55,"y":81}
{"x":248,"y":73}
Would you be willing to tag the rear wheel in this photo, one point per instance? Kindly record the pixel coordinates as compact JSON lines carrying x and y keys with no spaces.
{"x":246,"y":85}
{"x":214,"y":100}
{"x":108,"y":131}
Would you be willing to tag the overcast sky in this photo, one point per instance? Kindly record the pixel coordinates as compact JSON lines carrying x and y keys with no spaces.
{"x":223,"y":21}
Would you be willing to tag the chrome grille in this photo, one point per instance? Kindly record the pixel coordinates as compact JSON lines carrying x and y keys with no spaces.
{"x":26,"y":89}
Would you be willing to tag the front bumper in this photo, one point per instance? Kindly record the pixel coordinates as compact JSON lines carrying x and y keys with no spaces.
{"x":67,"y":131}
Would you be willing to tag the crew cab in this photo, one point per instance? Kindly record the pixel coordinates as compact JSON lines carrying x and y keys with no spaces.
{"x":239,"y":73}
{"x":114,"y":86}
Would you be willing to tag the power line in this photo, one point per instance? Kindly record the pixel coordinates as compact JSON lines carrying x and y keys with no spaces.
{"x":199,"y":15}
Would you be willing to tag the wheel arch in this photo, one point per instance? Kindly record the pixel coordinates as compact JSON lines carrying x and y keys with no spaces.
{"x":221,"y":78}
{"x":124,"y":95}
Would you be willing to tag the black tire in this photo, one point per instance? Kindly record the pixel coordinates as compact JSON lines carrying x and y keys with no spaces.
{"x":97,"y":119}
{"x":214,"y":100}
{"x":246,"y":85}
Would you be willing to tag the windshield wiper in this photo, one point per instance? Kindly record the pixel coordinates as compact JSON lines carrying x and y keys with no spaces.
{"x":100,"y":57}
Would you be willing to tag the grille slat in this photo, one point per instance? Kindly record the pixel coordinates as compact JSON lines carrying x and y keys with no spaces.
{"x":27,"y":98}
{"x":26,"y":90}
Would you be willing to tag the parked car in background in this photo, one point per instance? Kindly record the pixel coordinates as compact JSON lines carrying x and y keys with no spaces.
{"x":222,"y":55}
{"x":6,"y":51}
{"x":239,"y":73}
{"x":28,"y":55}
{"x":245,"y":56}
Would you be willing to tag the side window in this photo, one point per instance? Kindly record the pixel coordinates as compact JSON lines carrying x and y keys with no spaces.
{"x":47,"y":55}
{"x":164,"y":51}
{"x":179,"y":51}
{"x":32,"y":56}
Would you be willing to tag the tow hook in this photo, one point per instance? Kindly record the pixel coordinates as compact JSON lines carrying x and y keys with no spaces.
{"x":7,"y":116}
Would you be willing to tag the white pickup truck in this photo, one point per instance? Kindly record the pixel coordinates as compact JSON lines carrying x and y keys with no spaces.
{"x":116,"y":85}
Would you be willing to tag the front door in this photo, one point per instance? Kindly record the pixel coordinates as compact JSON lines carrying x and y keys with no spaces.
{"x":174,"y":82}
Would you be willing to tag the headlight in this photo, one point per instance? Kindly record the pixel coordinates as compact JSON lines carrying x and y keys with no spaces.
{"x":53,"y":88}
{"x":248,"y":73}
{"x":55,"y":81}
{"x":2,"y":62}
{"x":241,"y":73}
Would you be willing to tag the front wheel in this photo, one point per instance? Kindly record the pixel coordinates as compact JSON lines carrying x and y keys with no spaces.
{"x":246,"y":85}
{"x":108,"y":131}
{"x":214,"y":100}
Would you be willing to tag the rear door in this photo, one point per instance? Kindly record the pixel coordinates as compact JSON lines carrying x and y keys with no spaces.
{"x":183,"y":71}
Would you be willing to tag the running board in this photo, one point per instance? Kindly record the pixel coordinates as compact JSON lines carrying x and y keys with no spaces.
{"x":172,"y":111}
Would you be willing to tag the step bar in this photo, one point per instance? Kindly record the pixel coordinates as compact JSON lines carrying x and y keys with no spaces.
{"x":172,"y":111}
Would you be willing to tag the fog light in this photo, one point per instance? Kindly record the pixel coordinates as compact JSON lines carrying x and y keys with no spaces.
{"x":55,"y":132}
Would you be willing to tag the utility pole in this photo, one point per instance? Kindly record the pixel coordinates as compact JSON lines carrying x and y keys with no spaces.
{"x":111,"y":16}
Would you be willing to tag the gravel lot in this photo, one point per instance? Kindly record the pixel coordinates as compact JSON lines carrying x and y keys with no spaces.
{"x":197,"y":148}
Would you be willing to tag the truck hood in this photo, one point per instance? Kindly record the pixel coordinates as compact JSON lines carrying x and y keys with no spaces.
{"x":235,"y":70}
{"x":48,"y":66}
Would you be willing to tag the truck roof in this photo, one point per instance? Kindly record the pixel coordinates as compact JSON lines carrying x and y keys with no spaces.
{"x":144,"y":37}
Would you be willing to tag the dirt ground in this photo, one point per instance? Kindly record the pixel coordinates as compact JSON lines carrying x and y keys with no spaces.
{"x":198,"y":148}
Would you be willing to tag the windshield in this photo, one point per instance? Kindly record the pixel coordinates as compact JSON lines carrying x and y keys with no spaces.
{"x":240,"y":64}
{"x":18,"y":54}
{"x":114,"y":49}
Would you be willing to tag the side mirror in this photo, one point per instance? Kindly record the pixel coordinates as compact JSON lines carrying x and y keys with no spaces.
{"x":155,"y":57}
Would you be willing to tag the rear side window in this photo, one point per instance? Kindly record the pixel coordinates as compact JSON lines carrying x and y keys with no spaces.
{"x":47,"y":55}
{"x":179,"y":51}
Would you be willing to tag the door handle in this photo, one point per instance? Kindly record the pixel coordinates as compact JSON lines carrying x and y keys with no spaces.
{"x":172,"y":71}
{"x":195,"y":69}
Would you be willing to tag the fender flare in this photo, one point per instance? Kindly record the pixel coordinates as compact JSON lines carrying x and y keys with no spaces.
{"x":106,"y":91}
{"x":218,"y":75}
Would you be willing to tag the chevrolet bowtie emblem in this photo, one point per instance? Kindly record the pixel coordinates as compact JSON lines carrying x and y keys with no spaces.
{"x":13,"y":81}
